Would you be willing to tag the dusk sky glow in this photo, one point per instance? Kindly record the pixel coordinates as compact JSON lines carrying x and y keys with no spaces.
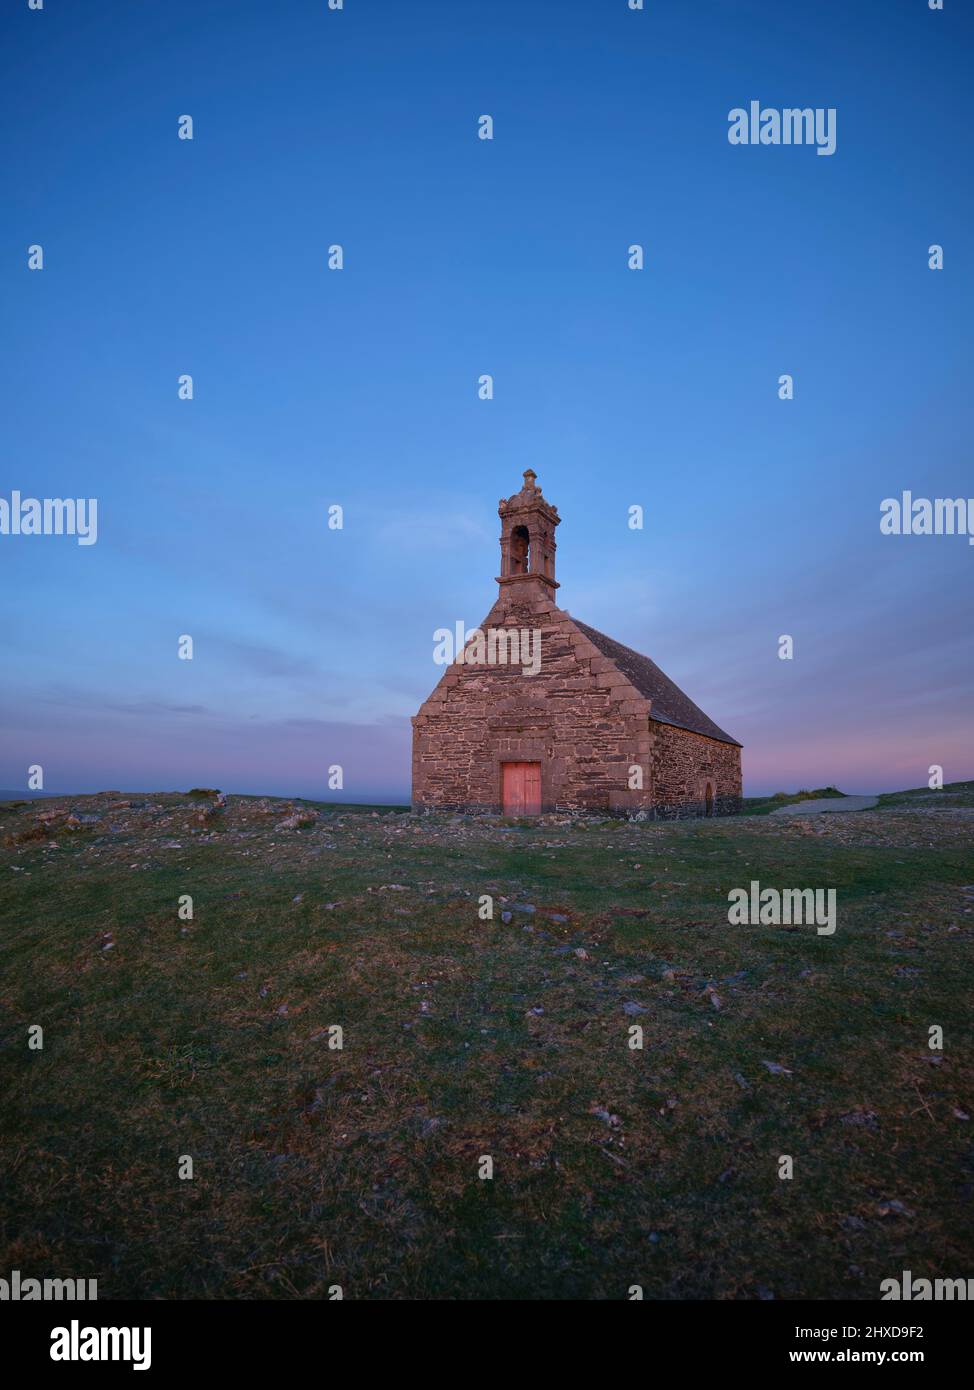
{"x":464,"y":257}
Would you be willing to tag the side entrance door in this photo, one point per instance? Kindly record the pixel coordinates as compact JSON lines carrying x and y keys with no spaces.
{"x":521,"y":789}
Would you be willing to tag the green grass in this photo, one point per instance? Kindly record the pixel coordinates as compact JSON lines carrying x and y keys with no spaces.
{"x":360,"y":1167}
{"x":954,"y":794}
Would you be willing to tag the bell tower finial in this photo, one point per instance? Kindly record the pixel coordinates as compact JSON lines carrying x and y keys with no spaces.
{"x":528,"y":524}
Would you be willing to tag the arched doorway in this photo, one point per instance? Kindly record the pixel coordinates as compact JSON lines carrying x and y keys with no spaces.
{"x":708,"y":801}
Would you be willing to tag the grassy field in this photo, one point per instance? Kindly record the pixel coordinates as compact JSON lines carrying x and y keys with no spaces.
{"x":466,"y":1037}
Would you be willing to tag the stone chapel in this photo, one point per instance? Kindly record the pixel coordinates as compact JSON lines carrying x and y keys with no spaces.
{"x":585,"y":725}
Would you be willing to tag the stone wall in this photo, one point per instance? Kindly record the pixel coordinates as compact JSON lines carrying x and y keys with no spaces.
{"x":684,"y":763}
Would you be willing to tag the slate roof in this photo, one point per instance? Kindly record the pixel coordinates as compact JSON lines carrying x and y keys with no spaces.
{"x":670,"y":705}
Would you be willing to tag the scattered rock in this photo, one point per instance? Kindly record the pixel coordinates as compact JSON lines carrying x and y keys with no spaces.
{"x":866,"y":1119}
{"x":852,"y":1223}
{"x":601,"y":1113}
{"x":893,"y":1208}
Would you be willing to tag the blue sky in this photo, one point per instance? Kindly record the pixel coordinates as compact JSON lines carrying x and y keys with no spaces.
{"x":464,"y":257}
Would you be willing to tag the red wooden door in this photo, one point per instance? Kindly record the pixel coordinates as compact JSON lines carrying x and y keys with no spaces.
{"x":522,"y":789}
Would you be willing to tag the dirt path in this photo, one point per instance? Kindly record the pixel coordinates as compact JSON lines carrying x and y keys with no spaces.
{"x":828,"y":803}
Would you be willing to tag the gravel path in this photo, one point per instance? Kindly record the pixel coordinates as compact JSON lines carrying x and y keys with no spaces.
{"x":827,"y":803}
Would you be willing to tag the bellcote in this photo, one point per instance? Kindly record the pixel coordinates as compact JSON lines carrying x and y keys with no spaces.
{"x":528,"y":524}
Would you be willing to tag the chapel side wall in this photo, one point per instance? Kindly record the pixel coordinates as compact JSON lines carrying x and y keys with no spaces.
{"x":682,"y":764}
